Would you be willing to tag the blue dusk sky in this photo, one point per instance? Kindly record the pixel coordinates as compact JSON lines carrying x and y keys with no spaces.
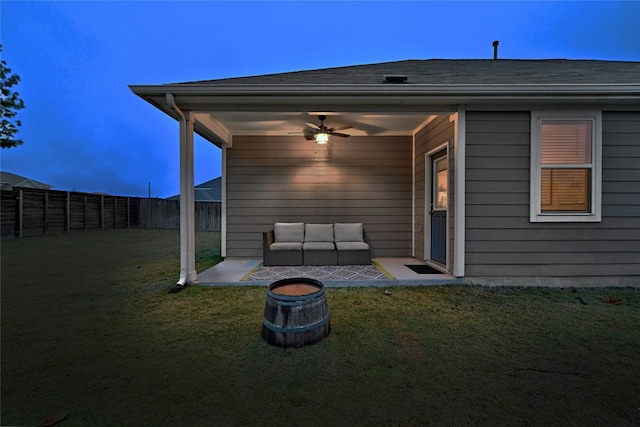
{"x":84,"y":130}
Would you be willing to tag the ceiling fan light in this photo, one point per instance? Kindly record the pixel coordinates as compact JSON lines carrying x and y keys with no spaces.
{"x":322,"y":138}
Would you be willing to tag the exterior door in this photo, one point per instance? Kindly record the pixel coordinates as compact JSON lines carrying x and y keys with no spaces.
{"x":439,"y":205}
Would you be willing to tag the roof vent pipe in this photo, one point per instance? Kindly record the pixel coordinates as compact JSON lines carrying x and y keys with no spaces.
{"x":495,"y":49}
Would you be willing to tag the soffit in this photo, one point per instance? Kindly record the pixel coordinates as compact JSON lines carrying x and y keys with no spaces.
{"x":292,"y":123}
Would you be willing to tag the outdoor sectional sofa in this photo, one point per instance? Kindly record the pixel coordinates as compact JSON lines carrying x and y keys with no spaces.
{"x":297,"y":243}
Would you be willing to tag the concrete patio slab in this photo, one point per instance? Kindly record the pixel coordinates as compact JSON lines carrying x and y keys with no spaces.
{"x":232,"y":271}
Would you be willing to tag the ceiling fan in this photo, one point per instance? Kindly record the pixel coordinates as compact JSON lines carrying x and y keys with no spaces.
{"x":321,"y":132}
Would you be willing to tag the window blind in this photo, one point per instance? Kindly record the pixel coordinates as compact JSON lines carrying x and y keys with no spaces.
{"x":566,"y":141}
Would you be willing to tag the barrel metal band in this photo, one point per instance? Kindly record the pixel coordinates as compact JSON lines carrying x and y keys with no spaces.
{"x":295,"y":298}
{"x":296,"y":329}
{"x":294,"y":303}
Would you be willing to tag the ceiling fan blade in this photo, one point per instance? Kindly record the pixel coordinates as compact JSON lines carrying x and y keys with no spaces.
{"x":297,"y":132}
{"x":313,"y":126}
{"x":309,"y":136}
{"x":341,"y":135}
{"x":340,"y":128}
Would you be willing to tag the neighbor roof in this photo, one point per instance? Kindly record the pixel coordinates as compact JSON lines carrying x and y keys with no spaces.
{"x":456,"y":71}
{"x":9,"y":180}
{"x":210,"y":191}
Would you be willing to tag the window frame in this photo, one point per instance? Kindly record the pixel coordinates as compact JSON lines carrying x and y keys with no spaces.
{"x":535,"y":205}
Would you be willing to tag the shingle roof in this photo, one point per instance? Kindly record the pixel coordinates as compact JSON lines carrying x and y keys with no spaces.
{"x":456,"y":71}
{"x":8,"y":180}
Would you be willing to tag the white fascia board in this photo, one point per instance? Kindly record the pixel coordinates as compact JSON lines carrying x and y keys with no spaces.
{"x":406,"y":89}
{"x":207,"y":97}
{"x":405,"y":102}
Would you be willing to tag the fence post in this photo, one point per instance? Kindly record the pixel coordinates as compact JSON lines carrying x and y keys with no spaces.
{"x":102,"y":212}
{"x":46,"y":213}
{"x":20,"y":211}
{"x":67,"y":206}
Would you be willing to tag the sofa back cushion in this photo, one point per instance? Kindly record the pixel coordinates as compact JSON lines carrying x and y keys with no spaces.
{"x":349,"y":232}
{"x":288,"y":232}
{"x":318,"y":232}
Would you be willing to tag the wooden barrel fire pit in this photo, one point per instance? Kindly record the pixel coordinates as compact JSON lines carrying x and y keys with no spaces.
{"x":296,"y":313}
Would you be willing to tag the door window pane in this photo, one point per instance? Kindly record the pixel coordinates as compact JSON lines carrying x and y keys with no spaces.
{"x":440,"y":184}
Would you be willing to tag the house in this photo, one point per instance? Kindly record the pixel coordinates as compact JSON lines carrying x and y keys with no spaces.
{"x":496,"y":171}
{"x":209,"y":191}
{"x":9,"y":181}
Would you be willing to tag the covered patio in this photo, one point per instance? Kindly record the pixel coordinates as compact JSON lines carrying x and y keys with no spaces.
{"x":274,"y":171}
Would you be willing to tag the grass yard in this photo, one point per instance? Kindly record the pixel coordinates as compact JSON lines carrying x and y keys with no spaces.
{"x":89,"y":332}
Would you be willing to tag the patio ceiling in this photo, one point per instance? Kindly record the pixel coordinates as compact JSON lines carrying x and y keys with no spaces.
{"x":284,"y":123}
{"x":224,"y":111}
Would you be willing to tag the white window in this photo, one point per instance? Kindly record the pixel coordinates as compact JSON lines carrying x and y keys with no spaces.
{"x":566,"y":166}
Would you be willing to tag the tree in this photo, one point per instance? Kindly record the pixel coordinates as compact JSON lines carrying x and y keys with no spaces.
{"x":11,"y":103}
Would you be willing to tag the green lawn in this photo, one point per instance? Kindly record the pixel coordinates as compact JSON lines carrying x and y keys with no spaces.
{"x":89,"y":331}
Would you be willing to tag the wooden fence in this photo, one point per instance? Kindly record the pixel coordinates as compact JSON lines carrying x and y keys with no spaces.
{"x":162,"y":213}
{"x":33,"y":212}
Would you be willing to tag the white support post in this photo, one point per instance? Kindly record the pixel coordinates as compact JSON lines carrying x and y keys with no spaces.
{"x":460,"y":143}
{"x":223,"y":205}
{"x":187,"y":216}
{"x":413,"y":196}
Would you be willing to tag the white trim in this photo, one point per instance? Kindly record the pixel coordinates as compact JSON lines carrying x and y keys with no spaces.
{"x":459,"y":159}
{"x":251,"y":92}
{"x":422,"y":125}
{"x":413,"y":195}
{"x":535,"y":213}
{"x":213,"y":126}
{"x":428,"y":193}
{"x":187,"y":206}
{"x":188,"y":272}
{"x":428,"y":188}
{"x":223,"y":205}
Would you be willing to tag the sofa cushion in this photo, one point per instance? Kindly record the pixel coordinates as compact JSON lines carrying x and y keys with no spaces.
{"x":288,"y":232}
{"x":349,"y":232}
{"x":352,"y":246}
{"x":285,"y":246}
{"x":318,"y":246}
{"x":318,"y":232}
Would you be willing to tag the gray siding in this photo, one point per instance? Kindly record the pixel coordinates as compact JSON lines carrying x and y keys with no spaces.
{"x":288,"y":179}
{"x":501,"y":242}
{"x":432,"y":135}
